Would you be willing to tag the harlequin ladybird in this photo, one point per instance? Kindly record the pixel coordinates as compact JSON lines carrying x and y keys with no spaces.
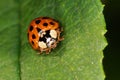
{"x":44,"y":34}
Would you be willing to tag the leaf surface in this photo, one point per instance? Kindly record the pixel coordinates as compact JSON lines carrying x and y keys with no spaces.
{"x":9,"y":40}
{"x":78,"y":57}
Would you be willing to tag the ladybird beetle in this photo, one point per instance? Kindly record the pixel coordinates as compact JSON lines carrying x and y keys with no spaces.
{"x":44,"y":34}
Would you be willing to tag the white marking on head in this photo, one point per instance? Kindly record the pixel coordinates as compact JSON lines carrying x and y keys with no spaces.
{"x":42,"y":44}
{"x":53,"y":33}
{"x":50,"y":42}
{"x":48,"y":39}
{"x":41,"y":33}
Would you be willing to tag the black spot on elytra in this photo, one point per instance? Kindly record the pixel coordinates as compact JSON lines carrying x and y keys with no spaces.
{"x":37,"y":21}
{"x":33,"y":36}
{"x":38,"y":29}
{"x":47,"y":34}
{"x":32,"y":43}
{"x":31,"y":28}
{"x":42,"y":39}
{"x":51,"y":23}
{"x":45,"y":24}
{"x":45,"y":17}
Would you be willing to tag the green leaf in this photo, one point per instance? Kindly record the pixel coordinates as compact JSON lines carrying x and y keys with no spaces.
{"x":9,"y":41}
{"x":78,"y":57}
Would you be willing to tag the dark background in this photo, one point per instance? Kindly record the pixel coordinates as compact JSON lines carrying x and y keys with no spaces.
{"x":111,"y":61}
